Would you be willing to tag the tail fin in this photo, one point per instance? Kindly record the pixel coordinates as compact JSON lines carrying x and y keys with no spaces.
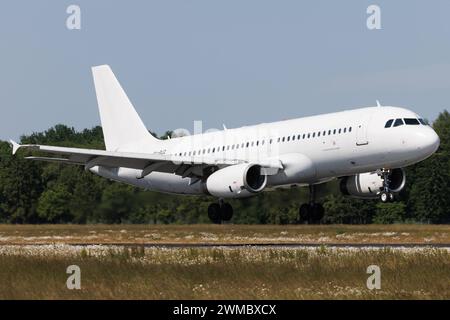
{"x":123,"y":129}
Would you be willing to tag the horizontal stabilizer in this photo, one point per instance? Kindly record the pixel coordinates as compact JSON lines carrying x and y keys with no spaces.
{"x":56,"y":160}
{"x":15,"y":146}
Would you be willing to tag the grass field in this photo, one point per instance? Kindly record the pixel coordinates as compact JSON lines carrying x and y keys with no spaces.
{"x":218,"y":273}
{"x":33,"y":271}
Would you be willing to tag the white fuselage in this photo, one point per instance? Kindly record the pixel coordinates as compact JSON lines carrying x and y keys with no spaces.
{"x":312,"y":149}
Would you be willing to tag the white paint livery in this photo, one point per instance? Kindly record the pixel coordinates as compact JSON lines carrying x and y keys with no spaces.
{"x":242,"y":162}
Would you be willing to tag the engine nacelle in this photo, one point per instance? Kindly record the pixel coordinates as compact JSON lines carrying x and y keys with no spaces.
{"x":368,"y":185}
{"x":237,"y":181}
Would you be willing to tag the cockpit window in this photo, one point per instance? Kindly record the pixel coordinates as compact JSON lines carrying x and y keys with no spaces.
{"x":411,"y":121}
{"x":398,"y":122}
{"x":389,"y":123}
{"x":424,"y":122}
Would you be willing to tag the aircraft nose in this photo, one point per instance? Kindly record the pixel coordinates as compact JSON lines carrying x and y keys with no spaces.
{"x":428,"y":141}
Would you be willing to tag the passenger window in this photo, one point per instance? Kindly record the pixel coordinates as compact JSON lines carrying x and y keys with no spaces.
{"x":309,"y":134}
{"x":298,"y":137}
{"x":345,"y":130}
{"x":350,"y":129}
{"x":389,"y":123}
{"x":318,"y":134}
{"x":314,"y":134}
{"x":339,"y":131}
{"x":398,"y":122}
{"x":334,"y":131}
{"x":283,"y":139}
{"x":288,"y":138}
{"x":304,"y":135}
{"x":270,"y":141}
{"x":411,"y":121}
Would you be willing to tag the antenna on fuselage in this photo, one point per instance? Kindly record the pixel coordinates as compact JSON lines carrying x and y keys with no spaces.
{"x":378,"y":104}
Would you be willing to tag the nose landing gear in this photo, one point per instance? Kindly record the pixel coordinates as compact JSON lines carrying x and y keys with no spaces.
{"x":386,"y":194}
{"x":221,"y":211}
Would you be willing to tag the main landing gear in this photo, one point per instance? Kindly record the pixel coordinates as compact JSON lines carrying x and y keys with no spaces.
{"x":311,"y":212}
{"x":386,"y":194}
{"x":221,"y":211}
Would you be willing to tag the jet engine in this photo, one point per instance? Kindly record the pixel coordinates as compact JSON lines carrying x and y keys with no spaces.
{"x":237,"y":181}
{"x":368,"y":185}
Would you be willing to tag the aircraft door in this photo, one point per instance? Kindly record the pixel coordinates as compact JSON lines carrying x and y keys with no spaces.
{"x":361,"y":131}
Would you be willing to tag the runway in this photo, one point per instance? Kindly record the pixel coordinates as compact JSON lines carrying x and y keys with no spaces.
{"x":253,"y":245}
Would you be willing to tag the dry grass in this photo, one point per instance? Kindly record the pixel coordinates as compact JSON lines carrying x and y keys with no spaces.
{"x":32,"y":271}
{"x":109,"y":272}
{"x":227,"y":234}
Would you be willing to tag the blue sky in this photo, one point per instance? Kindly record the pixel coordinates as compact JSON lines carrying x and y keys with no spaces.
{"x":233,"y":62}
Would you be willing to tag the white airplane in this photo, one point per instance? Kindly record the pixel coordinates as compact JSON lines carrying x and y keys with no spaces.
{"x":365,"y":148}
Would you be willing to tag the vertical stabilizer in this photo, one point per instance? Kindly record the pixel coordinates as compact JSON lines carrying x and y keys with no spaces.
{"x":123,"y":129}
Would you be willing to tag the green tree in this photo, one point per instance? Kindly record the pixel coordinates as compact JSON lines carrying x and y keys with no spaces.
{"x":427,"y":194}
{"x":390,"y":213}
{"x":117,"y":203}
{"x":53,"y":205}
{"x":20,"y":187}
{"x":35,"y":192}
{"x":340,"y":209}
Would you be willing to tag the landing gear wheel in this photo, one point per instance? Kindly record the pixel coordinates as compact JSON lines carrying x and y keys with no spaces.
{"x":303,"y":213}
{"x":214,"y":213}
{"x":317,"y":212}
{"x":311,"y":213}
{"x":386,"y":197}
{"x":391,"y":197}
{"x":226,"y":211}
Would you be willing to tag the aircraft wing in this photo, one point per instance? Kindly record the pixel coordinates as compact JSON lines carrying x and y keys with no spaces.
{"x":147,"y":162}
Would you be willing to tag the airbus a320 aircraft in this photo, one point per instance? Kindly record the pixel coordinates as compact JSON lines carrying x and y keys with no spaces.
{"x":365,"y":148}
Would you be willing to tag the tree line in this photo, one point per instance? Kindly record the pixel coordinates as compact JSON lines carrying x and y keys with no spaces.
{"x":39,"y":192}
